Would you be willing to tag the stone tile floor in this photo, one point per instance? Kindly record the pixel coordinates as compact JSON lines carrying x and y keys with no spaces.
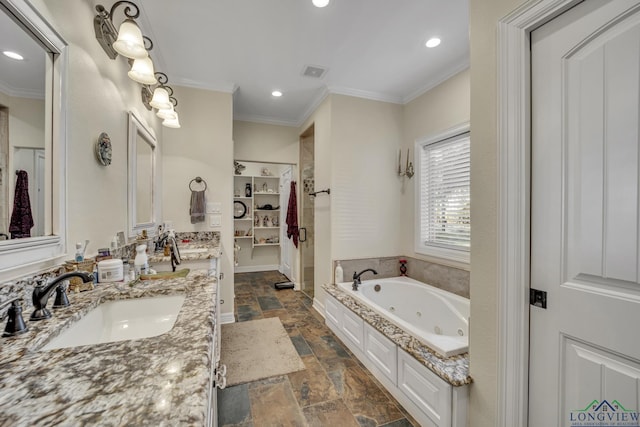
{"x":335,"y":389}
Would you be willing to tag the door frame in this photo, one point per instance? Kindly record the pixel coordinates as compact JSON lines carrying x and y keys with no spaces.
{"x":514,"y":200}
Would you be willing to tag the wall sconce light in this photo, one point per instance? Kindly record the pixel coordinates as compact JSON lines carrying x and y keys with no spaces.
{"x":408,"y":169}
{"x":161,"y":98}
{"x":142,"y":71}
{"x":129,"y":42}
{"x":172,"y":123}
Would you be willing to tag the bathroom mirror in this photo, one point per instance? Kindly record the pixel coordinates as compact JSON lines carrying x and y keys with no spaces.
{"x":142,"y":179}
{"x":32,"y":139}
{"x":22,"y":132}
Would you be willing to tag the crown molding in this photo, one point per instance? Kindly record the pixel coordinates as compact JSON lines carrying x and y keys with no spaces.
{"x":374,"y":96}
{"x":20,"y":93}
{"x":464,"y":65}
{"x":221,"y":87}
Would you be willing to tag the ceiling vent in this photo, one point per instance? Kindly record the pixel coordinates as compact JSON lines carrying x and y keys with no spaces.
{"x":314,"y":71}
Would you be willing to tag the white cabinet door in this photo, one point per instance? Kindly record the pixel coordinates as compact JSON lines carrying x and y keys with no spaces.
{"x":381,"y":351}
{"x":332,"y":311}
{"x":426,"y":390}
{"x":585,"y":194}
{"x":353,"y":328}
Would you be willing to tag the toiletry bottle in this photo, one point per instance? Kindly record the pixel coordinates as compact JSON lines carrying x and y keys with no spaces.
{"x":79,"y":252}
{"x":339,"y":276}
{"x":114,"y":243}
{"x":125,"y":270}
{"x":132,"y":270}
{"x":142,"y":261}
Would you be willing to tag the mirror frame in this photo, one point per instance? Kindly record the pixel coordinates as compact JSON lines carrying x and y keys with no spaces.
{"x":24,"y":256}
{"x":139,"y":132}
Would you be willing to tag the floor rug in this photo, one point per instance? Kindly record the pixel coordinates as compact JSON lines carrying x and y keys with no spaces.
{"x":256,"y":350}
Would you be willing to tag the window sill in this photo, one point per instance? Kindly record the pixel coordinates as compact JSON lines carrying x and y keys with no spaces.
{"x":458,"y":256}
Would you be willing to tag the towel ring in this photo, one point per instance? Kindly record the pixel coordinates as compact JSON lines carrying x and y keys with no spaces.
{"x":199,"y":181}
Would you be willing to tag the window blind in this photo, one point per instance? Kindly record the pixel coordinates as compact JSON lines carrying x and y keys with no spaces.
{"x":445,"y":193}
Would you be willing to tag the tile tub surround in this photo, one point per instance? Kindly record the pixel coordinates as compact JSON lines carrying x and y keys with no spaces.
{"x":454,"y":369}
{"x":161,"y":380}
{"x":450,"y":279}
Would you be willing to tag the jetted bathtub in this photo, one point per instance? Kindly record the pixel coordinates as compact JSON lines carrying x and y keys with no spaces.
{"x":437,"y":318}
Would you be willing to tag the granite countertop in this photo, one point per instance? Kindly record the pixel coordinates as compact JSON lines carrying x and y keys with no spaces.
{"x":213,"y":250}
{"x":162,"y":380}
{"x":454,"y":369}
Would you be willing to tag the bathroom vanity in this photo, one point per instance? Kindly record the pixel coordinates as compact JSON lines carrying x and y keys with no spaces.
{"x":165,"y":379}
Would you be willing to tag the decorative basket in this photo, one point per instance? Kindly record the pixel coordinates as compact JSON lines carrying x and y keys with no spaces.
{"x":75,"y":283}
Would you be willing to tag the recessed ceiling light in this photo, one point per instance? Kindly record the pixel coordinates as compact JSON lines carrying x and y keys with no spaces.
{"x":13,"y":55}
{"x":320,"y":3}
{"x":433,"y":42}
{"x":276,"y":93}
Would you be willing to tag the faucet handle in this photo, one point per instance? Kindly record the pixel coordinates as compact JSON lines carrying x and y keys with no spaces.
{"x":15,"y":322}
{"x":62,"y":300}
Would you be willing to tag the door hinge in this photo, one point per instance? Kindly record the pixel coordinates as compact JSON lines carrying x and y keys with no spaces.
{"x":538,"y":298}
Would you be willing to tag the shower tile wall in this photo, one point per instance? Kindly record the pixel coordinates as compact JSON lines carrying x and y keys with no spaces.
{"x":450,"y":279}
{"x":307,"y":214}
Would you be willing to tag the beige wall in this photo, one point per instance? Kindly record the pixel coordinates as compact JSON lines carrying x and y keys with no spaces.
{"x":439,"y":109}
{"x":26,"y":121}
{"x":365,"y":194}
{"x":370,"y":210}
{"x":260,"y":142}
{"x":98,"y":98}
{"x":202,"y":147}
{"x":484,"y":186}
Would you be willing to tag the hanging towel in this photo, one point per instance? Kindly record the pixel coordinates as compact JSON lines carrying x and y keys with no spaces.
{"x":292,"y":216}
{"x":197,"y":207}
{"x":21,"y":218}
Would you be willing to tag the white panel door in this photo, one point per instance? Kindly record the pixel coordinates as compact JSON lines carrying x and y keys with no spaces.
{"x":585,"y":347}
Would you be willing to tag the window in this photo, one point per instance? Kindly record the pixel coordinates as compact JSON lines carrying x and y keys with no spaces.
{"x":443,"y":195}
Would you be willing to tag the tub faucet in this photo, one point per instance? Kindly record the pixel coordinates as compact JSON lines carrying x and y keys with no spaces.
{"x":356,"y":278}
{"x":43,"y":291}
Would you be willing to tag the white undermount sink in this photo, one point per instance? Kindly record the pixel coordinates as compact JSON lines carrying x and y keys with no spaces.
{"x":122,"y":320}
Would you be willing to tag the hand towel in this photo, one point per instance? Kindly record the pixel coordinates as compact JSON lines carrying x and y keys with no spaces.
{"x":197,"y":208}
{"x":21,"y":218}
{"x":292,"y":216}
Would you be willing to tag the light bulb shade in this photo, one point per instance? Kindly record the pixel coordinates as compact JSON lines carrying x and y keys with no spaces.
{"x":129,"y":42}
{"x":160,"y":99}
{"x":142,"y":71}
{"x":167,"y":113}
{"x":172,"y":123}
{"x":320,"y":3}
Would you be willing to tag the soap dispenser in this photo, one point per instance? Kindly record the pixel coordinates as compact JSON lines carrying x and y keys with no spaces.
{"x":141,"y":263}
{"x":339,"y":274}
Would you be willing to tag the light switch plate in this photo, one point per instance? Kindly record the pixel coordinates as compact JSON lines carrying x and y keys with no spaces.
{"x":214,"y":207}
{"x":215,"y":220}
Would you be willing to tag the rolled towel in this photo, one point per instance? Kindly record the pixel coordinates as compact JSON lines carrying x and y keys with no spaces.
{"x":197,"y":208}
